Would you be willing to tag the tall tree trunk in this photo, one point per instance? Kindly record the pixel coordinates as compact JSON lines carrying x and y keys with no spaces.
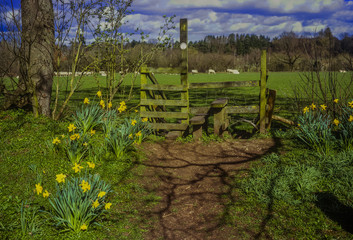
{"x":37,"y":52}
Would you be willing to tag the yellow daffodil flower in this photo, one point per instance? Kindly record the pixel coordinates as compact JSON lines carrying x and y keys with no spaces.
{"x":95,"y":204}
{"x":93,"y":132}
{"x":77,"y":168}
{"x":85,"y":144}
{"x":136,"y":111}
{"x":101,"y":194}
{"x":305,"y":110}
{"x":110,"y":105}
{"x":86,"y":101}
{"x":350,"y":104}
{"x":313,"y":106}
{"x":56,"y":141}
{"x":144,"y":119}
{"x":336,"y":100}
{"x":71,"y":127}
{"x":102,"y":103}
{"x":39,"y":188}
{"x":85,"y":186}
{"x":99,"y":94}
{"x":46,"y":194}
{"x":138,"y":134}
{"x":84,"y":227}
{"x":63,"y":136}
{"x":91,"y":165}
{"x":336,"y":122}
{"x":350,"y":118}
{"x":74,"y":136}
{"x":133,"y":122}
{"x":323,"y":107}
{"x":107,"y":206}
{"x":60,"y":178}
{"x":130,"y":136}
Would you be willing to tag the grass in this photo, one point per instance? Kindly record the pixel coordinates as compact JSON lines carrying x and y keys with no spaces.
{"x":25,"y":158}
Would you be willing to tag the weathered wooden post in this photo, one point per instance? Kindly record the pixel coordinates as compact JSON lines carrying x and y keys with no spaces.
{"x":143,"y":94}
{"x":184,"y":65}
{"x":262,"y":120}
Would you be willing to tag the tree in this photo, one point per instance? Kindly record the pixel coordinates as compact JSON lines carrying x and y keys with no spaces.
{"x":37,"y":50}
{"x":288,"y":45}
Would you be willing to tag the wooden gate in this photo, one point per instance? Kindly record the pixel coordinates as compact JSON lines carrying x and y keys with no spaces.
{"x":153,"y":101}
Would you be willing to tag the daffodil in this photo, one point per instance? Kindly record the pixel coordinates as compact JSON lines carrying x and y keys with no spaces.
{"x":74,"y":136}
{"x":99,"y":94}
{"x":85,"y":186}
{"x":133,"y":122}
{"x":77,"y":168}
{"x":56,"y":141}
{"x":93,"y":132}
{"x":84,"y":227}
{"x":336,"y":122}
{"x":71,"y":127}
{"x":39,"y":188}
{"x":122,"y":107}
{"x":130,"y":136}
{"x":305,"y":110}
{"x":136,"y":111}
{"x":102,"y":103}
{"x":91,"y":165}
{"x":336,"y":100}
{"x":323,"y":107}
{"x":107,"y":206}
{"x":313,"y":106}
{"x":85,"y":144}
{"x":60,"y":178}
{"x":86,"y":101}
{"x":138,"y":134}
{"x":95,"y":204}
{"x":110,"y":105}
{"x":350,"y":118}
{"x":144,"y":119}
{"x":62,"y":136}
{"x":46,"y":194}
{"x":101,"y":194}
{"x":350,"y":104}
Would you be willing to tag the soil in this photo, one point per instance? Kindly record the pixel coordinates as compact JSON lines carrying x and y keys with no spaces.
{"x":195,"y":184}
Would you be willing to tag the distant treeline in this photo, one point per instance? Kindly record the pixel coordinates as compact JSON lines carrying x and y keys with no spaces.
{"x":288,"y":52}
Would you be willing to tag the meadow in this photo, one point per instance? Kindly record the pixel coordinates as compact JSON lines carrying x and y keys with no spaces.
{"x":297,"y":191}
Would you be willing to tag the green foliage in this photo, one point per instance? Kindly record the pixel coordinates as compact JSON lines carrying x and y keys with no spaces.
{"x":297,"y":177}
{"x":88,"y":117}
{"x":315,"y":131}
{"x":30,"y":219}
{"x":346,"y":128}
{"x":72,"y":207}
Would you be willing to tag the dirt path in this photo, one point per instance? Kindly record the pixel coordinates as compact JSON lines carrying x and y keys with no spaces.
{"x":194,"y":182}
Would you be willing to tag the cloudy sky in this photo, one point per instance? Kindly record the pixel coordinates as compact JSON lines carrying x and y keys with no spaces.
{"x":266,"y":17}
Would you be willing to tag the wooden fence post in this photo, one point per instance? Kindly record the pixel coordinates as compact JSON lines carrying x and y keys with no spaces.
{"x":143,"y":95}
{"x":262,"y":120}
{"x":184,"y":65}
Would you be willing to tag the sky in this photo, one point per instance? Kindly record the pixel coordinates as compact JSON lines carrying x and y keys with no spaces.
{"x":260,"y":17}
{"x":223,"y":17}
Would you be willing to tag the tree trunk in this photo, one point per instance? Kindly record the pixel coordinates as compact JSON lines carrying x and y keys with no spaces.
{"x":37,"y":52}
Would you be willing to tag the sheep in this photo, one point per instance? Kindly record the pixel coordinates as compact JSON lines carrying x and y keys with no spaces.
{"x":211,"y":71}
{"x":342,"y":71}
{"x":234,"y":71}
{"x":194,"y":71}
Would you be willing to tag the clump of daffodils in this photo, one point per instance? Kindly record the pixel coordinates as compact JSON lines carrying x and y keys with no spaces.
{"x":326,"y":129}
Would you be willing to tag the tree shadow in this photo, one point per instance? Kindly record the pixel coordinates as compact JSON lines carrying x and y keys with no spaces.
{"x":335,"y":210}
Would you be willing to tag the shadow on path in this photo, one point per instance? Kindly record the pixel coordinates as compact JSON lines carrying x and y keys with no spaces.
{"x":196,"y":186}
